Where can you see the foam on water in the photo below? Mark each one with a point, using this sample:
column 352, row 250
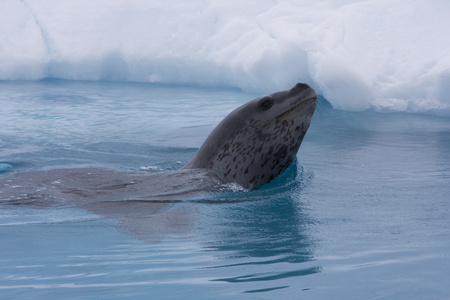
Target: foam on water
column 358, row 54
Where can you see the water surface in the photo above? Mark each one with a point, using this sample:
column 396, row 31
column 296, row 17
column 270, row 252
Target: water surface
column 363, row 213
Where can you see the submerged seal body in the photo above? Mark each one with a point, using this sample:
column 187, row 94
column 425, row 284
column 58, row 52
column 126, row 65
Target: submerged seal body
column 250, row 147
column 259, row 140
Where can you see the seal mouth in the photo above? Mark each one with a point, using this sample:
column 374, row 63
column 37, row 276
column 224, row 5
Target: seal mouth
column 297, row 107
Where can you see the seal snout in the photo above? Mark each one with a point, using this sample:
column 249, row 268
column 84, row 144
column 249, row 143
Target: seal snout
column 301, row 88
column 303, row 93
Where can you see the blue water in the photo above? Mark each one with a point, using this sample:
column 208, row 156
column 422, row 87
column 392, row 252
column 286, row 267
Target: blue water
column 364, row 213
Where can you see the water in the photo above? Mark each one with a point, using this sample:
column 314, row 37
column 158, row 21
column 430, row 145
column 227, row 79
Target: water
column 363, row 213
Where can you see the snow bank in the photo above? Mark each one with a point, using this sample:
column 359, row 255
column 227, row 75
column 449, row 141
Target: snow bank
column 384, row 54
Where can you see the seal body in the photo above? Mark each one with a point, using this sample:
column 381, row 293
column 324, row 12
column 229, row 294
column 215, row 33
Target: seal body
column 259, row 140
column 250, row 147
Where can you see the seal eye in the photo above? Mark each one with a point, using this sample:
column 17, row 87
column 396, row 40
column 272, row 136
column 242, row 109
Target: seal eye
column 266, row 104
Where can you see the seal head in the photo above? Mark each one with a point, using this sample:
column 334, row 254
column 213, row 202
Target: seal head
column 260, row 139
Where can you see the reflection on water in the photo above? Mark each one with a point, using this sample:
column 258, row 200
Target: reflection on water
column 263, row 229
column 266, row 237
column 263, row 236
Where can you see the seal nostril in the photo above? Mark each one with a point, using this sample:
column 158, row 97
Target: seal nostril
column 298, row 88
column 302, row 86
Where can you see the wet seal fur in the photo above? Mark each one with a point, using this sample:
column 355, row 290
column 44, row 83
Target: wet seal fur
column 259, row 140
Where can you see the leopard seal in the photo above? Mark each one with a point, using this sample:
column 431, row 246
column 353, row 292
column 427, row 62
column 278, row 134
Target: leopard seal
column 250, row 147
column 259, row 140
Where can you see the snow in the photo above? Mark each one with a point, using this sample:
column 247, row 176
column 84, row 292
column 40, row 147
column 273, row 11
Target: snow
column 381, row 54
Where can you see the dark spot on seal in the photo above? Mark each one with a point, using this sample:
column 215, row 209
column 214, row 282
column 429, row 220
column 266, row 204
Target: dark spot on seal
column 274, row 164
column 259, row 149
